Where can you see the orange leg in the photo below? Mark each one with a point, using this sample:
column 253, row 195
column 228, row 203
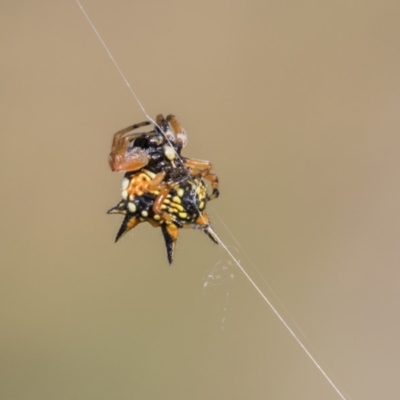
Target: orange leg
column 180, row 133
column 119, row 159
column 163, row 188
column 163, row 124
column 203, row 168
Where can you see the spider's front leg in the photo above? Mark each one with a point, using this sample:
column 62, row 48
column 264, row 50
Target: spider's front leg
column 202, row 168
column 180, row 133
column 120, row 158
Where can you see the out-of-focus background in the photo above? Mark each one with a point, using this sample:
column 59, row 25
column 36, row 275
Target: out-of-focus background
column 297, row 106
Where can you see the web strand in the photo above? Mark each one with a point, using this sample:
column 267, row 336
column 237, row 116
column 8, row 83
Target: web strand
column 222, row 244
column 113, row 60
column 279, row 316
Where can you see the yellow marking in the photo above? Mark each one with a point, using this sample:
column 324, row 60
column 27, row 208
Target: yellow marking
column 178, row 207
column 167, row 201
column 180, row 192
column 182, row 215
column 152, row 175
column 145, row 214
column 157, row 217
column 163, row 207
column 176, row 199
column 201, row 205
column 124, row 194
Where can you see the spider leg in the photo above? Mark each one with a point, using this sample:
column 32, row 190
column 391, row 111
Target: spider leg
column 203, row 168
column 122, row 160
column 213, row 179
column 157, row 181
column 170, row 233
column 163, row 189
column 162, row 123
column 131, row 161
column 180, row 133
column 159, row 206
column 116, row 144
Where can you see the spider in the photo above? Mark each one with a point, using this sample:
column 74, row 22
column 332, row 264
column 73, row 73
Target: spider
column 161, row 186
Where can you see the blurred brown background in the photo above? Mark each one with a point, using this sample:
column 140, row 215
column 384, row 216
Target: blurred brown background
column 297, row 106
